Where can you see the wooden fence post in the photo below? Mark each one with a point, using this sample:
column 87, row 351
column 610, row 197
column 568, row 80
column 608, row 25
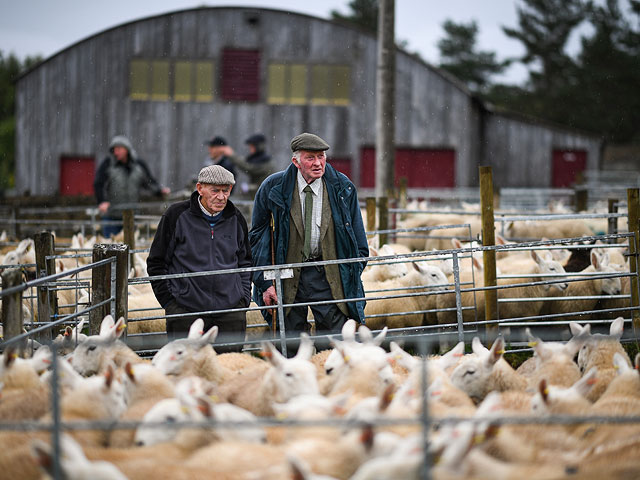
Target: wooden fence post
column 371, row 216
column 581, row 198
column 612, row 222
column 47, row 299
column 101, row 283
column 402, row 193
column 633, row 202
column 489, row 256
column 11, row 304
column 383, row 219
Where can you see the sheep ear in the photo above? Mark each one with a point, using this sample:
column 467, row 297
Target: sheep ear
column 536, row 257
column 106, row 326
column 41, row 452
column 620, row 363
column 586, row 383
column 373, row 252
column 377, row 341
column 595, row 260
column 128, row 369
column 119, row 327
column 272, row 355
column 10, row 354
column 456, row 243
column 109, row 377
column 349, row 330
column 616, row 328
column 305, row 351
column 452, row 356
column 543, row 388
column 497, row 349
column 205, row 408
column 386, row 397
column 365, row 335
column 196, row 330
column 576, row 328
column 477, row 347
column 210, row 335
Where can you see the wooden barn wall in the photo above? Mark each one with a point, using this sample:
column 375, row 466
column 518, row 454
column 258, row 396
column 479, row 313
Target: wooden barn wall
column 520, row 152
column 77, row 100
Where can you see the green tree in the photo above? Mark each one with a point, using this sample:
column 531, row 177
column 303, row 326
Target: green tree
column 364, row 13
column 544, row 29
column 10, row 68
column 458, row 55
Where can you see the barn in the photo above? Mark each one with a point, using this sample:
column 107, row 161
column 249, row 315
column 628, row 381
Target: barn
column 171, row 81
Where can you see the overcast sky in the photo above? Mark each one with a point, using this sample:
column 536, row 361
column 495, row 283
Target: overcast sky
column 30, row 27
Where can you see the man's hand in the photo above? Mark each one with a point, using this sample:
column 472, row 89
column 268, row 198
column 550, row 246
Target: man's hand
column 103, row 207
column 269, row 296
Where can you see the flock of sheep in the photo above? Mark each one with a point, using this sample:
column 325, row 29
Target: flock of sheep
column 356, row 411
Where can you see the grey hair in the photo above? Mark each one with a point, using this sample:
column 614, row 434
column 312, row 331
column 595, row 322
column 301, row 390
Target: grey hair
column 297, row 154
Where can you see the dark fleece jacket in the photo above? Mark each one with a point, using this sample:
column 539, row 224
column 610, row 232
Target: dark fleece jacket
column 185, row 242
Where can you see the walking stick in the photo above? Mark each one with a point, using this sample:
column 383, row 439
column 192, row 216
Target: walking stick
column 273, row 282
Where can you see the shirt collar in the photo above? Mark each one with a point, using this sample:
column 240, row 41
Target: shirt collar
column 316, row 185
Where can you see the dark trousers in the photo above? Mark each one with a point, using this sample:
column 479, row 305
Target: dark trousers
column 313, row 287
column 231, row 326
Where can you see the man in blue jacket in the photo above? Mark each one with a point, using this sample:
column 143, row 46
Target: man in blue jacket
column 204, row 233
column 331, row 229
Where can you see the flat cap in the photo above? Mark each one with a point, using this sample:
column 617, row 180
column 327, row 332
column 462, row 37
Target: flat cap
column 216, row 142
column 216, row 175
column 309, row 142
column 255, row 139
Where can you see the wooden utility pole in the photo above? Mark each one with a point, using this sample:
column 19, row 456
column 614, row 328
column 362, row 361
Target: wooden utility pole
column 385, row 99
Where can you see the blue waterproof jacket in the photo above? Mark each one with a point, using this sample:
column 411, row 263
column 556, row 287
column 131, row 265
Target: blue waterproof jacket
column 274, row 196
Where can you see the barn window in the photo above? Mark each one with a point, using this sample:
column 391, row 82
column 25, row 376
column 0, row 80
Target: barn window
column 183, row 87
column 204, row 81
column 139, row 73
column 160, row 80
column 330, row 84
column 241, row 75
column 287, row 84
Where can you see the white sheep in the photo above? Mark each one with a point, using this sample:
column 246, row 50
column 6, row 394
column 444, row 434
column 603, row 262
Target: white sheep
column 424, row 278
column 74, row 464
column 96, row 352
column 485, row 371
column 257, row 388
column 589, row 288
column 380, row 271
column 598, row 352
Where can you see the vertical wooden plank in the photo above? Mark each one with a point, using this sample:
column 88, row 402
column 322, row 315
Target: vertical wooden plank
column 633, row 203
column 11, row 304
column 371, row 216
column 99, row 288
column 47, row 300
column 383, row 219
column 489, row 256
column 612, row 222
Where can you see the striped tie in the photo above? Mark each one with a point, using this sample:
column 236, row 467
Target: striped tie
column 308, row 215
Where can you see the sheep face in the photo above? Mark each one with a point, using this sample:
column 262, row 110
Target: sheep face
column 170, row 359
column 167, row 412
column 88, row 357
column 432, row 276
column 472, row 373
column 550, row 266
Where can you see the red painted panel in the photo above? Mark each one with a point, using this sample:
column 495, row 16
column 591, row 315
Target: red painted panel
column 240, row 75
column 423, row 167
column 342, row 165
column 76, row 175
column 567, row 164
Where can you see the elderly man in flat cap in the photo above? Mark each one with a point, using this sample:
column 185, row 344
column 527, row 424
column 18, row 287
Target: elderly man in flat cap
column 316, row 216
column 206, row 232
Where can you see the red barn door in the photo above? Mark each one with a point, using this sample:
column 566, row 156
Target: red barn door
column 567, row 164
column 423, row 167
column 76, row 175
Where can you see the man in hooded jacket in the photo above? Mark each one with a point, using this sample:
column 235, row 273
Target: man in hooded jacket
column 119, row 180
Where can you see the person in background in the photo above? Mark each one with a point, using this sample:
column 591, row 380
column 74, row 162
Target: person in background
column 316, row 217
column 119, row 180
column 220, row 154
column 258, row 165
column 205, row 233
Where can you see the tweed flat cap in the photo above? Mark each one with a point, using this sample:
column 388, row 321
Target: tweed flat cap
column 309, row 142
column 216, row 175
